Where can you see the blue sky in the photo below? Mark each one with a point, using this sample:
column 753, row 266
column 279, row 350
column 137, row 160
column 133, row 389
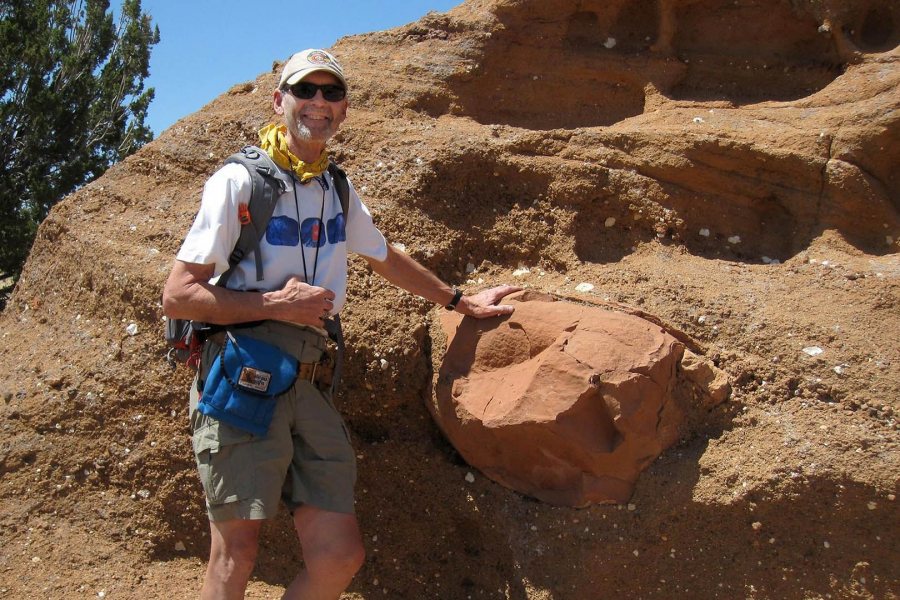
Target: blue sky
column 207, row 46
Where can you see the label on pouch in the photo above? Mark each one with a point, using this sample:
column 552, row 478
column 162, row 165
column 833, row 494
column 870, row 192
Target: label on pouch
column 254, row 380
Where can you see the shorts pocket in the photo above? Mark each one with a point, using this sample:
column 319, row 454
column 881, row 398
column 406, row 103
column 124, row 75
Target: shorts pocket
column 224, row 460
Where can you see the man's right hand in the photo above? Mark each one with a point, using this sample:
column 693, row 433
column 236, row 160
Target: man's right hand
column 189, row 295
column 301, row 303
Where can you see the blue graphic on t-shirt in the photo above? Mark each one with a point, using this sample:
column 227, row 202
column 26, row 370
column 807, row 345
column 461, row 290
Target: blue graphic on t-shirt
column 337, row 233
column 282, row 231
column 311, row 233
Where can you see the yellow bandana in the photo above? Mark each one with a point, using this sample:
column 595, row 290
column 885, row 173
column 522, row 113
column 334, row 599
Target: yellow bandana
column 273, row 140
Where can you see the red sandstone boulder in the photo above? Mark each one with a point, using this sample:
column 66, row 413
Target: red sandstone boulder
column 564, row 402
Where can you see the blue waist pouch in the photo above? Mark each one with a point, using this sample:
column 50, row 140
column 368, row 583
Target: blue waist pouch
column 243, row 381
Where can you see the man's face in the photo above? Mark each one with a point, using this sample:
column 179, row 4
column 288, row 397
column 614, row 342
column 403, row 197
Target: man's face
column 315, row 119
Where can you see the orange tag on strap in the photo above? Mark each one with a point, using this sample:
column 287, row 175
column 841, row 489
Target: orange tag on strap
column 244, row 214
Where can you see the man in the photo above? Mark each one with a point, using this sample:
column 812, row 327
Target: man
column 305, row 458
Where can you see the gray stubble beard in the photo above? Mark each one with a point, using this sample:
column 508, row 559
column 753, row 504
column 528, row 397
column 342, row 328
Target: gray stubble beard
column 304, row 133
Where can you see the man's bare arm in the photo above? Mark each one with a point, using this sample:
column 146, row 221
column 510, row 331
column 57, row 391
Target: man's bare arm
column 403, row 271
column 189, row 295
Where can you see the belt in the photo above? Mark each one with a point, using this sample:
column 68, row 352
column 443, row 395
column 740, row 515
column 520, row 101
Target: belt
column 318, row 373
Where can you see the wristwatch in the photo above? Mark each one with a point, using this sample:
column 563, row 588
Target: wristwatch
column 457, row 294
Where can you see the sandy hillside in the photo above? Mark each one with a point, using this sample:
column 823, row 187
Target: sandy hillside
column 727, row 167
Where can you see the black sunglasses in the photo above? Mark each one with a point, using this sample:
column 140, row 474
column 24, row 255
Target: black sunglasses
column 305, row 90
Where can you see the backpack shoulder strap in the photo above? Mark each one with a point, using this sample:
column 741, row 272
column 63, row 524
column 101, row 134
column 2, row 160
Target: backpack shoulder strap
column 343, row 188
column 268, row 182
column 333, row 325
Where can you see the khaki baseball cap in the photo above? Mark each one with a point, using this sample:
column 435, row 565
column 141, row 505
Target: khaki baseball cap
column 309, row 61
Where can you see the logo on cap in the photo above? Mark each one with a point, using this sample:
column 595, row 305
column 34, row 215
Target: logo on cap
column 318, row 57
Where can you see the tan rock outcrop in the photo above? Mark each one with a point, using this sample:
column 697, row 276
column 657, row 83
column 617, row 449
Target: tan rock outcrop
column 564, row 402
column 712, row 381
column 691, row 158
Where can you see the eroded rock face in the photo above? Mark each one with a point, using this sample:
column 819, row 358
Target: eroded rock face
column 564, row 402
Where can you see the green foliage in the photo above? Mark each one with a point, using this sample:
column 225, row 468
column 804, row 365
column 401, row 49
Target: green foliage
column 72, row 102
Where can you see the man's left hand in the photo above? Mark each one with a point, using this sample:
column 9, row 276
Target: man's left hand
column 483, row 305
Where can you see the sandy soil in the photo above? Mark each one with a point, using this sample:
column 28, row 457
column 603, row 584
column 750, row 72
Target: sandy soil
column 786, row 491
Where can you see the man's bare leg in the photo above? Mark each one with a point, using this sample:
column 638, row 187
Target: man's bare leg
column 232, row 554
column 332, row 553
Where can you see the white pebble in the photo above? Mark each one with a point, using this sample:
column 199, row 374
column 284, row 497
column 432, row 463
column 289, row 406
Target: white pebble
column 813, row 350
column 735, row 239
column 384, row 364
column 826, row 544
column 704, row 232
column 610, row 221
column 584, row 287
column 470, row 478
column 470, row 268
column 632, row 507
column 144, row 494
column 521, row 272
column 756, row 526
column 609, row 43
column 872, row 505
column 698, row 119
column 132, row 329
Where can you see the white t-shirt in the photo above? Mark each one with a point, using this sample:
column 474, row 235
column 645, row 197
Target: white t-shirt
column 298, row 225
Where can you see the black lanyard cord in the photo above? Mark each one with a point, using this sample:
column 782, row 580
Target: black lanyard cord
column 318, row 235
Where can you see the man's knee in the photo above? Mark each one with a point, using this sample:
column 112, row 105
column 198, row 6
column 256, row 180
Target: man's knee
column 332, row 544
column 344, row 556
column 234, row 549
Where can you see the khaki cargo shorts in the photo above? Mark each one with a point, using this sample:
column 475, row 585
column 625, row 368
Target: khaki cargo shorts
column 305, row 458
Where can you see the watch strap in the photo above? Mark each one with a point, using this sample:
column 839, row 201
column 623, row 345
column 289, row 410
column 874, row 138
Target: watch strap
column 457, row 294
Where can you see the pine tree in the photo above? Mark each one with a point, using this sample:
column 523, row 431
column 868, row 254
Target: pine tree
column 72, row 102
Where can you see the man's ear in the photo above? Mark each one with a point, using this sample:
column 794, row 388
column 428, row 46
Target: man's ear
column 277, row 100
